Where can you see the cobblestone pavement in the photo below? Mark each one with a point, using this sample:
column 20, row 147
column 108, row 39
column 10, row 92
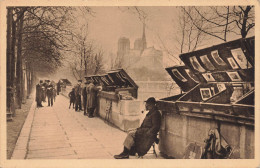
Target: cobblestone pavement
column 61, row 133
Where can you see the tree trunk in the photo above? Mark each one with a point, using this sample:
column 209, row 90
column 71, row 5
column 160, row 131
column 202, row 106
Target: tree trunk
column 19, row 70
column 12, row 75
column 9, row 56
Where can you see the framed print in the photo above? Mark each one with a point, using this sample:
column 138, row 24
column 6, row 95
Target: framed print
column 208, row 77
column 232, row 63
column 221, row 87
column 213, row 90
column 178, row 75
column 205, row 93
column 217, row 58
column 191, row 75
column 207, row 62
column 196, row 65
column 234, row 76
column 240, row 58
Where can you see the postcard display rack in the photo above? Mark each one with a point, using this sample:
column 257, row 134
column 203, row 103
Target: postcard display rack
column 117, row 101
column 217, row 92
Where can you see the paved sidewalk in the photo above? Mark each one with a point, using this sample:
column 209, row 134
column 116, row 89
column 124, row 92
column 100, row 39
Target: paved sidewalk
column 61, row 133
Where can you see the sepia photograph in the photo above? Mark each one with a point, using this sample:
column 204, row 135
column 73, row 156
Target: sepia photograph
column 86, row 85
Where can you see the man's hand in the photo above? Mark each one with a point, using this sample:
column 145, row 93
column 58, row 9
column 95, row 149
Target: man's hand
column 131, row 129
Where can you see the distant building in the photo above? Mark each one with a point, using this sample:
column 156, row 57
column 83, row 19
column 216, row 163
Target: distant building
column 141, row 62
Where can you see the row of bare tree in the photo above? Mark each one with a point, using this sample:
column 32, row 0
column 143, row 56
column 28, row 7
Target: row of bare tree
column 38, row 40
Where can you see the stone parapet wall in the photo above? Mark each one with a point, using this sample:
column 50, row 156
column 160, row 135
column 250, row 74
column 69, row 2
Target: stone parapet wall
column 125, row 114
column 178, row 130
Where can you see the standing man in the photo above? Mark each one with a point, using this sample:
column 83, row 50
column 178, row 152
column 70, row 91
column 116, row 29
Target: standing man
column 78, row 92
column 38, row 97
column 141, row 139
column 92, row 91
column 58, row 88
column 84, row 95
column 49, row 93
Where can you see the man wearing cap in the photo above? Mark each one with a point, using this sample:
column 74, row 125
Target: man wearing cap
column 141, row 139
column 78, row 92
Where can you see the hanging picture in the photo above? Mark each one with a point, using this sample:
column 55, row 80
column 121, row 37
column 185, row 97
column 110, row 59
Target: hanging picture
column 232, row 63
column 178, row 75
column 208, row 77
column 240, row 58
column 196, row 65
column 217, row 58
column 192, row 76
column 212, row 90
column 205, row 93
column 207, row 62
column 221, row 87
column 234, row 76
column 104, row 80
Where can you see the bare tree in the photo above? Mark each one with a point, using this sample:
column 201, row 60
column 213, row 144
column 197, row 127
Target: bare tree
column 219, row 22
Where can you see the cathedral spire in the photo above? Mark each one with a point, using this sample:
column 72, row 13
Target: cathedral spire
column 144, row 45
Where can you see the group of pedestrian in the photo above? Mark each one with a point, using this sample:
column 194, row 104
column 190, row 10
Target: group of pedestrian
column 43, row 90
column 86, row 96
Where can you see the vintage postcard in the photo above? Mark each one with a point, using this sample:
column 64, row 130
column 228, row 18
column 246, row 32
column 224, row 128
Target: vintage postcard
column 92, row 83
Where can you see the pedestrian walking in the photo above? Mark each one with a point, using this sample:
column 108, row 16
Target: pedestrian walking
column 39, row 91
column 92, row 91
column 78, row 92
column 72, row 98
column 49, row 93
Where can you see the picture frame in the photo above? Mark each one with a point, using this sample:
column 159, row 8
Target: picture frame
column 221, row 87
column 234, row 76
column 240, row 58
column 191, row 75
column 207, row 62
column 196, row 65
column 217, row 58
column 178, row 75
column 208, row 77
column 205, row 93
column 232, row 63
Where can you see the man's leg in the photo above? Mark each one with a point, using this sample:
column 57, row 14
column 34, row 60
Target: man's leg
column 49, row 101
column 128, row 144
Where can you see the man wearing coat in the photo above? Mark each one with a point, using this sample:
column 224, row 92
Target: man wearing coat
column 92, row 91
column 84, row 95
column 141, row 139
column 78, row 92
column 39, row 94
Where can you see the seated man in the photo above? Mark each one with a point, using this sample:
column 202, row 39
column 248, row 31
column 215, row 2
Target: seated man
column 141, row 139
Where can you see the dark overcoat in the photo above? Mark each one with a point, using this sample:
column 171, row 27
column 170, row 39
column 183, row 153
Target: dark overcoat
column 38, row 97
column 147, row 133
column 92, row 91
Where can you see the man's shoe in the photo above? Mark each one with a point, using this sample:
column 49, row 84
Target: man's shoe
column 122, row 156
column 90, row 116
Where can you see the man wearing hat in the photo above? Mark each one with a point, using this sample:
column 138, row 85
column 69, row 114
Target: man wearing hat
column 84, row 95
column 39, row 93
column 78, row 92
column 141, row 139
column 49, row 92
column 92, row 91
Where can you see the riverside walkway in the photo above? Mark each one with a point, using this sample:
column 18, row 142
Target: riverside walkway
column 61, row 133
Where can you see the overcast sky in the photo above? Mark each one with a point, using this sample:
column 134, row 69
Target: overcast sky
column 111, row 23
